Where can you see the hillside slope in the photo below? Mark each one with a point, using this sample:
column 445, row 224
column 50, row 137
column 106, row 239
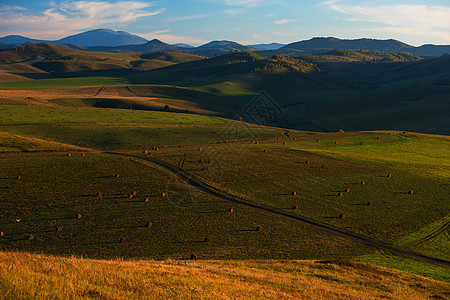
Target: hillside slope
column 37, row 276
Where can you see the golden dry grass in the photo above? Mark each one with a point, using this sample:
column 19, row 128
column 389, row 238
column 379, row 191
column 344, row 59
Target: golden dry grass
column 31, row 276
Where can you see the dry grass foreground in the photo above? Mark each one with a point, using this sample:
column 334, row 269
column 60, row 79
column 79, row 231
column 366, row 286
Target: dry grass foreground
column 32, row 276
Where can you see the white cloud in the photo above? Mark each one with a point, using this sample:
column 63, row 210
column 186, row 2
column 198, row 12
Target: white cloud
column 412, row 20
column 186, row 18
column 283, row 21
column 73, row 17
column 245, row 3
column 233, row 11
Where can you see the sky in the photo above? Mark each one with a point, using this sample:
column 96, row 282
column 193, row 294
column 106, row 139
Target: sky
column 196, row 22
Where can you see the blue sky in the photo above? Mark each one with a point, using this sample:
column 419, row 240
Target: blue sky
column 245, row 21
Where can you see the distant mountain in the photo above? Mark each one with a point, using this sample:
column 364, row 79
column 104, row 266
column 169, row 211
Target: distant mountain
column 17, row 39
column 433, row 50
column 224, row 45
column 151, row 46
column 183, row 45
column 360, row 44
column 102, row 37
column 265, row 47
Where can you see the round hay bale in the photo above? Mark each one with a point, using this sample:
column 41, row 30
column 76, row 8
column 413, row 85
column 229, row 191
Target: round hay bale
column 369, row 203
column 363, row 182
column 30, row 237
column 59, row 229
column 209, row 161
column 294, row 138
column 259, row 228
column 294, row 193
column 200, row 160
column 193, row 257
column 295, row 207
column 99, row 195
column 378, row 137
column 68, row 154
column 134, row 193
column 307, row 162
column 117, row 175
column 340, row 194
column 82, row 154
column 231, row 210
column 256, row 143
column 336, row 142
column 199, row 149
column 207, row 240
column 19, row 177
column 186, row 155
column 79, row 216
column 362, row 143
column 181, row 146
column 146, row 200
column 411, row 192
column 163, row 194
column 130, row 196
column 284, row 143
column 265, row 150
column 2, row 233
column 252, row 141
column 122, row 240
column 317, row 141
column 156, row 149
column 342, row 216
column 278, row 139
column 145, row 152
column 149, row 224
column 389, row 175
column 347, row 190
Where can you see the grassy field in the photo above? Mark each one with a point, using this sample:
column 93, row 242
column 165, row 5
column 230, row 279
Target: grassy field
column 26, row 276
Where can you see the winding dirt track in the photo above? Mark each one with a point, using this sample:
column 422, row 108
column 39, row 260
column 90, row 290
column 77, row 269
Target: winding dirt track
column 233, row 199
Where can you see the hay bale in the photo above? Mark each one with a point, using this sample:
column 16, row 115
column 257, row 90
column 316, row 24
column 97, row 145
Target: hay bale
column 149, row 224
column 30, row 237
column 294, row 138
column 130, row 196
column 207, row 240
column 259, row 228
column 79, row 216
column 294, row 193
column 278, row 139
column 284, row 143
column 199, row 149
column 186, row 155
column 295, row 207
column 265, row 150
column 122, row 240
column 200, row 160
column 362, row 143
column 378, row 137
column 342, row 216
column 59, row 229
column 389, row 175
column 19, row 177
column 411, row 192
column 336, row 142
column 2, row 233
column 146, row 200
column 99, row 195
column 145, row 151
column 256, row 143
column 193, row 257
column 68, row 154
column 231, row 210
column 307, row 162
column 163, row 194
column 134, row 193
column 369, row 203
column 82, row 154
column 156, row 149
column 347, row 190
column 317, row 141
column 363, row 182
column 117, row 175
column 181, row 146
column 340, row 194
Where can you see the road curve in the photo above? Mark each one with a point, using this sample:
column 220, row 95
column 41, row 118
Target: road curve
column 210, row 190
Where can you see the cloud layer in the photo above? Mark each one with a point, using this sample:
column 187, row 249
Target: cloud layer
column 71, row 17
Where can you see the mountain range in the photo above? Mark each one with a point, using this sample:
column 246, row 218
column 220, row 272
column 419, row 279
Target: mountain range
column 119, row 41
